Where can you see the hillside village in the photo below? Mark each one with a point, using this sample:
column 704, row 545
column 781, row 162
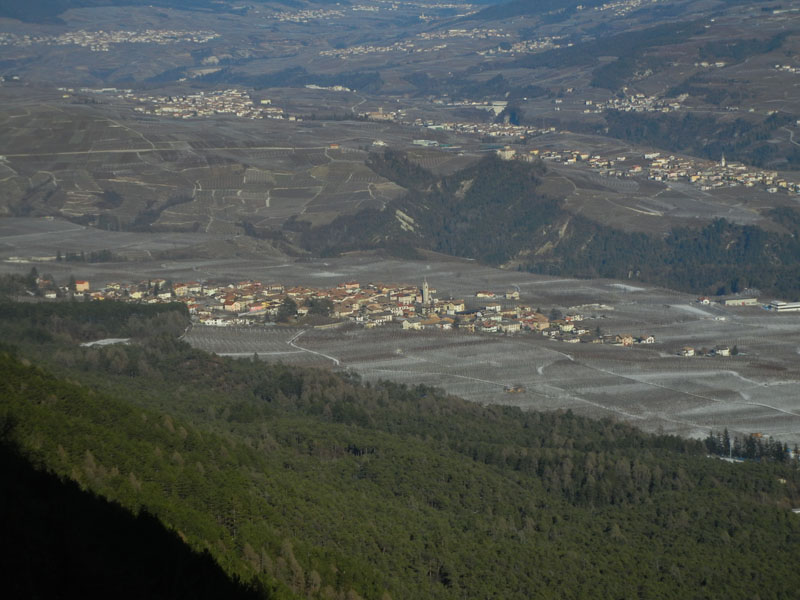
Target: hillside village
column 704, row 174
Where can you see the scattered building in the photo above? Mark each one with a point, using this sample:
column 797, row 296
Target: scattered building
column 740, row 301
column 780, row 306
column 514, row 389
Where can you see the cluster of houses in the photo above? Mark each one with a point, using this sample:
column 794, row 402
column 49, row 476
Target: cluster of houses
column 475, row 34
column 527, row 46
column 788, row 69
column 689, row 351
column 411, row 45
column 47, row 288
column 253, row 302
column 490, row 129
column 702, row 173
column 620, row 8
column 498, row 130
column 636, row 103
column 101, row 41
column 628, row 103
column 736, row 301
column 406, row 307
column 231, row 101
column 403, row 46
column 713, row 175
column 306, row 15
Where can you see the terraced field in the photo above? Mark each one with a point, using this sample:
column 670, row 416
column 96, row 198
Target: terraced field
column 123, row 171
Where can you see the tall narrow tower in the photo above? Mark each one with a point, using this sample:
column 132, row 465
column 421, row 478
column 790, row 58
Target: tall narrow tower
column 426, row 295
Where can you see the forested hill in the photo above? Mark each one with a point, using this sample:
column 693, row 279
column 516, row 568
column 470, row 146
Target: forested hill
column 61, row 541
column 495, row 212
column 321, row 487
